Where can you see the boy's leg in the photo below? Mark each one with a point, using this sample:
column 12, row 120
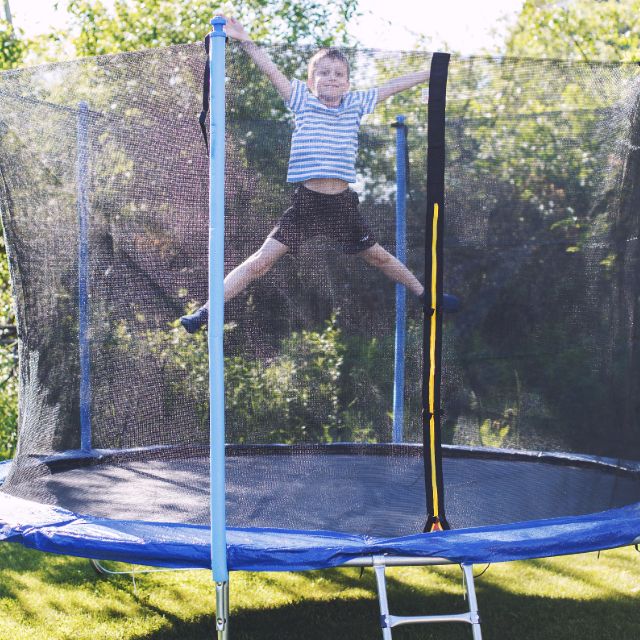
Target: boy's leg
column 255, row 266
column 379, row 257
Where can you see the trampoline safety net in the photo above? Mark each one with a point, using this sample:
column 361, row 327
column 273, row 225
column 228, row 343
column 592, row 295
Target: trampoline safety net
column 540, row 366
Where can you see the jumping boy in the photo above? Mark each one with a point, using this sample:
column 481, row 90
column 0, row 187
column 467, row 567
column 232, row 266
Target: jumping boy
column 322, row 163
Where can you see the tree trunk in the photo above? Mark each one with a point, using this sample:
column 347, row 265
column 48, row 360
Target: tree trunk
column 7, row 13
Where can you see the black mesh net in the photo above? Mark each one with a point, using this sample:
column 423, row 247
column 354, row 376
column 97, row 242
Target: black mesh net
column 542, row 202
column 542, row 226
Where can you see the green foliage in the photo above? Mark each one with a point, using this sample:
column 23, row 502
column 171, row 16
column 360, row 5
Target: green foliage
column 520, row 121
column 138, row 24
column 8, row 416
column 542, row 174
column 12, row 48
column 291, row 397
column 577, row 30
column 8, row 363
column 11, row 54
column 502, row 431
column 8, row 405
column 132, row 25
column 12, row 51
column 318, row 387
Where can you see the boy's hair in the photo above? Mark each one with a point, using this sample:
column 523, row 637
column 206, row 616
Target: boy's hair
column 333, row 54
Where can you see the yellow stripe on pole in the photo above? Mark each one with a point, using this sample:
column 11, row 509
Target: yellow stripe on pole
column 432, row 359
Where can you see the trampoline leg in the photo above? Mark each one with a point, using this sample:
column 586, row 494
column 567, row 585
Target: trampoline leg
column 222, row 610
column 474, row 616
column 378, row 567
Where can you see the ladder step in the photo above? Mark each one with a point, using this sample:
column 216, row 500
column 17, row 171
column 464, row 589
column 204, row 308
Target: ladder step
column 469, row 618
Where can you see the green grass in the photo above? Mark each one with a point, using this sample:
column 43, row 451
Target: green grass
column 48, row 597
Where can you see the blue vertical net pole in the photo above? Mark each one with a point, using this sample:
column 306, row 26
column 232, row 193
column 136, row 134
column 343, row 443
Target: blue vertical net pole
column 82, row 187
column 216, row 322
column 401, row 254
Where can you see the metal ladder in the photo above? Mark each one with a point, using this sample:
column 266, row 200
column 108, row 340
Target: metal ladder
column 388, row 621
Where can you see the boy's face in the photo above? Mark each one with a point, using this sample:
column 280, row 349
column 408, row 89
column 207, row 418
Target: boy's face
column 330, row 80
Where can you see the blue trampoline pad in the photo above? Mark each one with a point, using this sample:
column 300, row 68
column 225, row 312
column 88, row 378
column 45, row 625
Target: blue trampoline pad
column 340, row 503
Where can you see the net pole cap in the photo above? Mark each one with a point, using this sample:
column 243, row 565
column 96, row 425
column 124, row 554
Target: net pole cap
column 218, row 23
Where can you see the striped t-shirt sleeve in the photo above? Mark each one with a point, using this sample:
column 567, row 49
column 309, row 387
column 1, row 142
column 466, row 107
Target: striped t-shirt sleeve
column 366, row 99
column 298, row 100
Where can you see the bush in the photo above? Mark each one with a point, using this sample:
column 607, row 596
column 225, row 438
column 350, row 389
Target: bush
column 290, row 398
column 8, row 363
column 8, row 417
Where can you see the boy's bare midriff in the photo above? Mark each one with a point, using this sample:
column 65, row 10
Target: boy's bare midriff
column 330, row 186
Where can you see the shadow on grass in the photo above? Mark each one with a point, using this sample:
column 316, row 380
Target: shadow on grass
column 504, row 617
column 342, row 606
column 50, row 567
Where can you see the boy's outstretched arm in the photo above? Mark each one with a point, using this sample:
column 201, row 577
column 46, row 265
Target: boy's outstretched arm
column 235, row 30
column 401, row 83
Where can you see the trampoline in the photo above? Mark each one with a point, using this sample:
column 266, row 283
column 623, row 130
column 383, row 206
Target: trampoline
column 383, row 497
column 358, row 428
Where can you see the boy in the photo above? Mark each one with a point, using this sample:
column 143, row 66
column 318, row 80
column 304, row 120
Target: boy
column 322, row 163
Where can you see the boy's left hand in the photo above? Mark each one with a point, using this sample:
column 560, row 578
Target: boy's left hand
column 234, row 29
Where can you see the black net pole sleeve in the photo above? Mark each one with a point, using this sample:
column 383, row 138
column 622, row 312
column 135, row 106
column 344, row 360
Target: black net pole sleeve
column 432, row 334
column 205, row 95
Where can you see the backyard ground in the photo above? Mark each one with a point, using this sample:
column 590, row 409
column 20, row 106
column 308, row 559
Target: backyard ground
column 48, row 597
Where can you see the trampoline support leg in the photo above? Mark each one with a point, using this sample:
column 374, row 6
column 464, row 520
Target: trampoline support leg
column 222, row 610
column 474, row 614
column 378, row 567
column 387, row 621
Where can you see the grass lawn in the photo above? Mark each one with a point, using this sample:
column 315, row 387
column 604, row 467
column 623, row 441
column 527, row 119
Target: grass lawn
column 48, row 597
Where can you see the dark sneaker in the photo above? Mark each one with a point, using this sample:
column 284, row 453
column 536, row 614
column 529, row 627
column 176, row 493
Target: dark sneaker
column 195, row 320
column 450, row 304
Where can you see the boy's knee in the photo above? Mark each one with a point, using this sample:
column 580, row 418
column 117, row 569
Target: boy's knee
column 264, row 268
column 378, row 258
column 261, row 263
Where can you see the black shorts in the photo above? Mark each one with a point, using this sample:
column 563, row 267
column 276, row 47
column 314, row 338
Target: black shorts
column 320, row 214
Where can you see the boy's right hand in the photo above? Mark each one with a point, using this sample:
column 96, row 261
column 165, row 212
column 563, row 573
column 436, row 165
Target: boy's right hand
column 235, row 30
column 260, row 57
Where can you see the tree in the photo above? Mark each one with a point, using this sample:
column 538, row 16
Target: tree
column 584, row 30
column 137, row 24
column 12, row 47
column 561, row 212
column 12, row 50
column 577, row 30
